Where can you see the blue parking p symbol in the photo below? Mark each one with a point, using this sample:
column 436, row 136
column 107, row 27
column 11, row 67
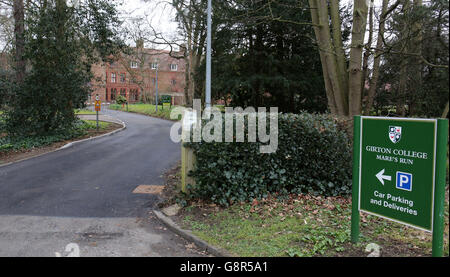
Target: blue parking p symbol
column 404, row 181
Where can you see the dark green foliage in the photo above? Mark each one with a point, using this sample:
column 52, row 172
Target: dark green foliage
column 3, row 90
column 121, row 99
column 258, row 60
column 427, row 91
column 313, row 156
column 5, row 87
column 61, row 44
column 9, row 143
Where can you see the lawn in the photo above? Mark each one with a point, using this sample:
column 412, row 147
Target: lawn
column 303, row 226
column 84, row 111
column 297, row 226
column 149, row 109
column 92, row 124
column 146, row 109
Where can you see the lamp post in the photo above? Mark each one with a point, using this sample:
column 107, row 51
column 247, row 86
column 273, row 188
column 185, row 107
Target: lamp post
column 208, row 57
column 156, row 84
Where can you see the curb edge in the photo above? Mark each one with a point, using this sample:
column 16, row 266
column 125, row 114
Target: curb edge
column 186, row 234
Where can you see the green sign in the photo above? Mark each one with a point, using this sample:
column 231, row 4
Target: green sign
column 166, row 100
column 399, row 172
column 397, row 169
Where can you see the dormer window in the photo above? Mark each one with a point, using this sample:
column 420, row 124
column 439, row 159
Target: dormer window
column 134, row 65
column 154, row 66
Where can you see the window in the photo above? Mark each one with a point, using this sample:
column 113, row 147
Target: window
column 113, row 77
column 154, row 65
column 123, row 92
column 113, row 94
column 173, row 82
column 134, row 65
column 173, row 67
column 122, row 78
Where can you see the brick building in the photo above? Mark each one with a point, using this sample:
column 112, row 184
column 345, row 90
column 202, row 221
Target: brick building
column 134, row 77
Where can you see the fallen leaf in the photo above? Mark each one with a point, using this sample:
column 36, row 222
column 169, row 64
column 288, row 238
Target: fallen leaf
column 255, row 202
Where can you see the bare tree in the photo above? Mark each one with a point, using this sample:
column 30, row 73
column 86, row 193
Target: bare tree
column 377, row 59
column 6, row 25
column 188, row 45
column 191, row 17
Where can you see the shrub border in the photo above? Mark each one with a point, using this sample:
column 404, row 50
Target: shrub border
column 70, row 144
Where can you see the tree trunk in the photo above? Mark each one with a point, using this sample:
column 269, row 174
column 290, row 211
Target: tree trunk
column 403, row 78
column 367, row 54
column 416, row 48
column 328, row 87
column 339, row 47
column 343, row 85
column 335, row 92
column 360, row 10
column 377, row 59
column 19, row 28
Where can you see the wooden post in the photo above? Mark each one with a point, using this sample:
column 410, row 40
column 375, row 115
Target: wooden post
column 187, row 154
column 187, row 164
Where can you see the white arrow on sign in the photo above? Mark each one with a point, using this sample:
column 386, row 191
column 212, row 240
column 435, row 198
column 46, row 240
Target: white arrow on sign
column 381, row 177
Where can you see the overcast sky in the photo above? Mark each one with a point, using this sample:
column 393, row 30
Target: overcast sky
column 161, row 15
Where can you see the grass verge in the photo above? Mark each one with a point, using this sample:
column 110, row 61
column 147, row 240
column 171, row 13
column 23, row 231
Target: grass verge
column 84, row 111
column 145, row 109
column 299, row 226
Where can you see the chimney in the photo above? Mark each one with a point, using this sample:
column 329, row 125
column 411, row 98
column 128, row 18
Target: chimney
column 140, row 43
column 183, row 49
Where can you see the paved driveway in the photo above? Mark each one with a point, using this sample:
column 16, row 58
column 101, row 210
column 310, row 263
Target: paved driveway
column 84, row 195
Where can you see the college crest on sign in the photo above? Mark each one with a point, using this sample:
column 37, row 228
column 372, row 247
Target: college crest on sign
column 395, row 133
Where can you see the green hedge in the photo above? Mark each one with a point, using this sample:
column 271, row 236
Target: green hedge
column 121, row 99
column 314, row 156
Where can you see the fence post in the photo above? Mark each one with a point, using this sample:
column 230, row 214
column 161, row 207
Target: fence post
column 355, row 181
